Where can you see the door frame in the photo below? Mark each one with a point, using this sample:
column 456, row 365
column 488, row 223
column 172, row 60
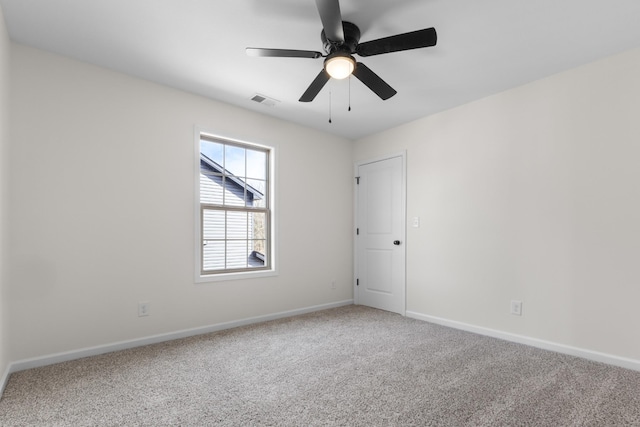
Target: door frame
column 403, row 191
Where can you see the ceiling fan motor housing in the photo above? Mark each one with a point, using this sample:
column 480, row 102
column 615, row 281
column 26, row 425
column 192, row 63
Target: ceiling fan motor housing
column 351, row 39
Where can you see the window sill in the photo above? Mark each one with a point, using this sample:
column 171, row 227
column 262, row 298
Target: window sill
column 223, row 277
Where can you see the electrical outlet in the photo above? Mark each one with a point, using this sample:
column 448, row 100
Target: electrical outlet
column 333, row 284
column 416, row 222
column 516, row 308
column 143, row 308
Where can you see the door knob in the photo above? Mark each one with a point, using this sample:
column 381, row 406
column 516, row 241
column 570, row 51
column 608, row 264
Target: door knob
column 396, row 242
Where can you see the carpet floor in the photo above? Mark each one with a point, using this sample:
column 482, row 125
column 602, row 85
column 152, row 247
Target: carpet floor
column 349, row 366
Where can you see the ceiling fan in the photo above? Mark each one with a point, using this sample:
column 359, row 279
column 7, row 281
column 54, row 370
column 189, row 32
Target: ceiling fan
column 341, row 40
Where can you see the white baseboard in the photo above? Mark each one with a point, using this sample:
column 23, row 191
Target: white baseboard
column 533, row 342
column 124, row 345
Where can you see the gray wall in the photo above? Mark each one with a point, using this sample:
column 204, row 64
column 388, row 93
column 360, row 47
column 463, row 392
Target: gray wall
column 103, row 210
column 530, row 195
column 4, row 142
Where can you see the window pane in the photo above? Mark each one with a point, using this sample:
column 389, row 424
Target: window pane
column 213, row 255
column 213, row 224
column 237, row 254
column 256, row 193
column 210, row 188
column 256, row 164
column 237, row 227
column 258, row 253
column 233, row 192
column 213, row 150
column 258, row 222
column 234, row 160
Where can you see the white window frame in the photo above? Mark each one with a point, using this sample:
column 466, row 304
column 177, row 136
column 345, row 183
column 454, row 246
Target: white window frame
column 249, row 274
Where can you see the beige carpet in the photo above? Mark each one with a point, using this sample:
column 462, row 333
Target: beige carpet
column 351, row 366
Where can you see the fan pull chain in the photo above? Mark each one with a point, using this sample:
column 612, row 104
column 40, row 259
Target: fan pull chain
column 329, row 106
column 349, row 93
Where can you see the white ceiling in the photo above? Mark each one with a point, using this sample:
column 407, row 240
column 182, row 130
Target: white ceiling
column 484, row 47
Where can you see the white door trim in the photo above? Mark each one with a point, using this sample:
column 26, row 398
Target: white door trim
column 357, row 164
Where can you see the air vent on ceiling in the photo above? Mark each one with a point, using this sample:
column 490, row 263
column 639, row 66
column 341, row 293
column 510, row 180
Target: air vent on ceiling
column 264, row 100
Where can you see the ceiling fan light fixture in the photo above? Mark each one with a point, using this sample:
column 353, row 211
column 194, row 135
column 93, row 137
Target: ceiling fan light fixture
column 339, row 66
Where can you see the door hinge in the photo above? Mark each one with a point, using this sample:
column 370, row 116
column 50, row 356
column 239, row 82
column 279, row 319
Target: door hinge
column 357, row 180
column 357, row 282
column 357, row 231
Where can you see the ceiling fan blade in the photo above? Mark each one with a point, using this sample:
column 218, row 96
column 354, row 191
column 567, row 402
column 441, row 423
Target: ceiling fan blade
column 373, row 81
column 282, row 53
column 412, row 40
column 314, row 88
column 331, row 19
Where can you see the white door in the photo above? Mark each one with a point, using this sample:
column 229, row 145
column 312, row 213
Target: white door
column 380, row 245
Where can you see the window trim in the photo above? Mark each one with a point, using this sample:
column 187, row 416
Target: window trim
column 271, row 270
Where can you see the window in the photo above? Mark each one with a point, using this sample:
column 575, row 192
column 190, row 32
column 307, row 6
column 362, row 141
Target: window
column 235, row 210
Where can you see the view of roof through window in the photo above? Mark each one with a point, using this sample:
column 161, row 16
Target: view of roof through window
column 234, row 206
